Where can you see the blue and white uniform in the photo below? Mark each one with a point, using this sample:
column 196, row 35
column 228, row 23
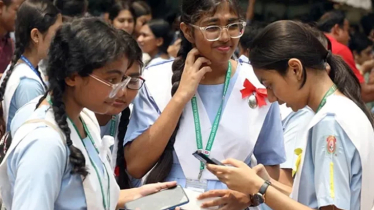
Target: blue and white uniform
column 337, row 157
column 31, row 179
column 23, row 85
column 242, row 131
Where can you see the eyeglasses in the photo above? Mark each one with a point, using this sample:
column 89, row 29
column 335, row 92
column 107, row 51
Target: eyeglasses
column 213, row 33
column 132, row 83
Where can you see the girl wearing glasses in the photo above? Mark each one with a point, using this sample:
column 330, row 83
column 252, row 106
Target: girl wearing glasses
column 113, row 124
column 57, row 159
column 334, row 170
column 209, row 110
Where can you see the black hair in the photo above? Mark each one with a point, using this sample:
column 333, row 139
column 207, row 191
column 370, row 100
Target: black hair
column 119, row 6
column 141, row 8
column 319, row 35
column 72, row 8
column 79, row 47
column 283, row 40
column 330, row 19
column 359, row 42
column 192, row 11
column 367, row 23
column 7, row 2
column 123, row 179
column 39, row 14
column 250, row 33
column 162, row 29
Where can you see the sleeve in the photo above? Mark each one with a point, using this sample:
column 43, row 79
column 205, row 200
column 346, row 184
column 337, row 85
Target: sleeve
column 145, row 112
column 294, row 128
column 334, row 152
column 27, row 90
column 37, row 176
column 269, row 148
column 348, row 58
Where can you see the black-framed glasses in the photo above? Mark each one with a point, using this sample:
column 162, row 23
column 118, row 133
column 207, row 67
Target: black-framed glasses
column 213, row 33
column 132, row 83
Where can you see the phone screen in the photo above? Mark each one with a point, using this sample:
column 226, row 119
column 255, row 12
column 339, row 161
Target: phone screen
column 165, row 199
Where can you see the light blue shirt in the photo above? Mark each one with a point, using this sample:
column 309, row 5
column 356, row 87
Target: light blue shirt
column 294, row 126
column 43, row 180
column 27, row 90
column 269, row 149
column 347, row 171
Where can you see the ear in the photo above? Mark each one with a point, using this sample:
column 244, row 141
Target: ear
column 295, row 69
column 159, row 42
column 187, row 32
column 72, row 80
column 336, row 29
column 34, row 34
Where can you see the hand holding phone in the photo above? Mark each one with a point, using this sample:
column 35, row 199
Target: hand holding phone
column 205, row 159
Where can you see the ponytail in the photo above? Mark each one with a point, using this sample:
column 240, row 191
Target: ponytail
column 346, row 81
column 165, row 162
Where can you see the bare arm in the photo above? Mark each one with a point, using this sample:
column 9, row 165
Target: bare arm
column 285, row 177
column 273, row 171
column 146, row 149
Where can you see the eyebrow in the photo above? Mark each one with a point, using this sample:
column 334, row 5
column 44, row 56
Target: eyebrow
column 114, row 71
column 137, row 74
column 211, row 20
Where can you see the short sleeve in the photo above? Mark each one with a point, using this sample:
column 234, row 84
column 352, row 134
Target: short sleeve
column 334, row 152
column 37, row 176
column 294, row 127
column 269, row 148
column 27, row 90
column 145, row 112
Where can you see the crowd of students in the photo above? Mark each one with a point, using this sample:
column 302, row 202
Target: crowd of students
column 100, row 111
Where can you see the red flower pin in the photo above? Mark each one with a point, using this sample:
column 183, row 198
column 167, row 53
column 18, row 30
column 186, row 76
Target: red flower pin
column 260, row 93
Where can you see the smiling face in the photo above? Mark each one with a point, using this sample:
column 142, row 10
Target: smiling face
column 219, row 51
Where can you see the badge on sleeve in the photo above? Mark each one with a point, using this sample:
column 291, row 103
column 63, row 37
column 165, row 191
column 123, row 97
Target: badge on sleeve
column 331, row 145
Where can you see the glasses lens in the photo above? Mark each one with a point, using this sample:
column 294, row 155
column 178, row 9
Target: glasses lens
column 236, row 30
column 212, row 32
column 135, row 84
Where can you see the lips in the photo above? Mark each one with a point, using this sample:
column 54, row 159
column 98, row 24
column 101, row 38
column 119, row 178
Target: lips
column 118, row 103
column 223, row 48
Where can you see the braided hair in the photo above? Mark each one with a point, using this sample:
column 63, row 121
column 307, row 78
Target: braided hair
column 76, row 50
column 32, row 14
column 192, row 11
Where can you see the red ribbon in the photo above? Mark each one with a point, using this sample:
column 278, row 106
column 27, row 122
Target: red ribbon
column 249, row 89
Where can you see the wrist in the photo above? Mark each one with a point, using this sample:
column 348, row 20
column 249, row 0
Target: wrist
column 181, row 98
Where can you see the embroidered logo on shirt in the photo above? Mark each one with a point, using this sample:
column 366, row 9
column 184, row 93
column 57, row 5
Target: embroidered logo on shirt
column 331, row 144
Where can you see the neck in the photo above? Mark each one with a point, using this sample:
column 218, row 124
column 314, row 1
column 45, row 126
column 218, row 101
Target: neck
column 103, row 119
column 3, row 32
column 217, row 75
column 318, row 90
column 72, row 108
column 162, row 55
column 31, row 55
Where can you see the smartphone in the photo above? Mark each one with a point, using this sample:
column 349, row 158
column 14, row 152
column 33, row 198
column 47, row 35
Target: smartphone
column 165, row 199
column 205, row 159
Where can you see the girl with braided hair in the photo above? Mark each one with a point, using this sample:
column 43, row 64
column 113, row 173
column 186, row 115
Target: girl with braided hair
column 209, row 110
column 36, row 24
column 57, row 159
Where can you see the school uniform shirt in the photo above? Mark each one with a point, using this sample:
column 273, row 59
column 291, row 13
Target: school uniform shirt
column 44, row 181
column 294, row 126
column 336, row 162
column 269, row 148
column 244, row 59
column 27, row 89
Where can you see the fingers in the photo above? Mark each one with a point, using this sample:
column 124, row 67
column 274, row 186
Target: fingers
column 233, row 162
column 165, row 185
column 212, row 194
column 216, row 202
column 191, row 56
column 199, row 62
column 203, row 71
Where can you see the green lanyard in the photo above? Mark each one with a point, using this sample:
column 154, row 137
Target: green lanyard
column 328, row 93
column 105, row 203
column 199, row 139
column 113, row 123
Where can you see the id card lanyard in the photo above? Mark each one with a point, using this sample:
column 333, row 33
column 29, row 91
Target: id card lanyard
column 27, row 61
column 199, row 139
column 113, row 123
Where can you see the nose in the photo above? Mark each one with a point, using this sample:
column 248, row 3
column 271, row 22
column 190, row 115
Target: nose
column 271, row 96
column 140, row 38
column 225, row 36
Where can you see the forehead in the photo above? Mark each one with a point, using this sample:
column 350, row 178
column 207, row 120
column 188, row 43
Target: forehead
column 125, row 13
column 222, row 14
